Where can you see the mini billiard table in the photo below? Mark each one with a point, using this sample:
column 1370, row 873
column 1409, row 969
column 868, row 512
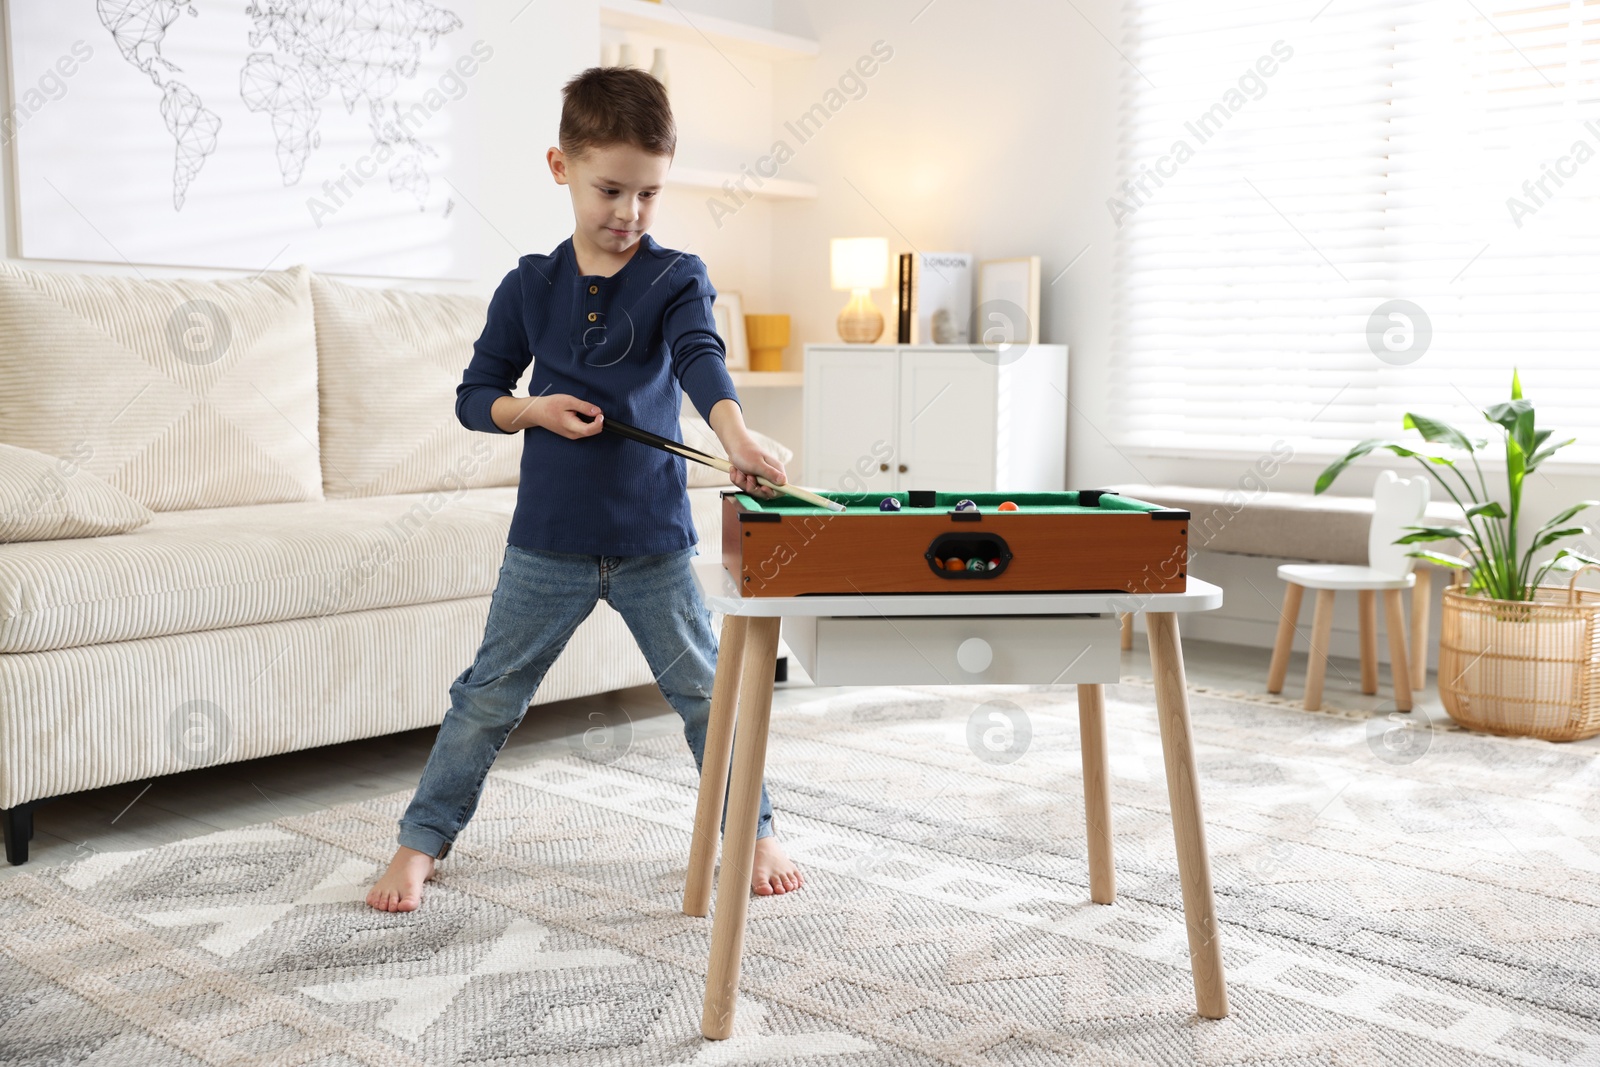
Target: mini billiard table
column 1043, row 542
column 995, row 637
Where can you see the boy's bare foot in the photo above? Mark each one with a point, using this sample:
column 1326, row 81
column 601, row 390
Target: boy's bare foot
column 400, row 888
column 774, row 871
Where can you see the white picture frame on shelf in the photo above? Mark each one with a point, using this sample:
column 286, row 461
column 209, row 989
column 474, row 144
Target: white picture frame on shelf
column 727, row 311
column 1013, row 281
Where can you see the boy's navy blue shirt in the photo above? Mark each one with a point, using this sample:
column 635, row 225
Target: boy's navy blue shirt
column 631, row 344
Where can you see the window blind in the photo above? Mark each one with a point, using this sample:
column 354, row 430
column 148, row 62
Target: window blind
column 1287, row 175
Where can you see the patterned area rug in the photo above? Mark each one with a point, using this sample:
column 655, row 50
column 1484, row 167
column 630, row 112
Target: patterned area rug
column 1389, row 896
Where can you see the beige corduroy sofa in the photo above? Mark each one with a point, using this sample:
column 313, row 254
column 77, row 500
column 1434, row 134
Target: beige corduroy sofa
column 241, row 518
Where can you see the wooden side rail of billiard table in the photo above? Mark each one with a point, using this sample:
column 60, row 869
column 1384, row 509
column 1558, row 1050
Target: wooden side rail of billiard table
column 783, row 552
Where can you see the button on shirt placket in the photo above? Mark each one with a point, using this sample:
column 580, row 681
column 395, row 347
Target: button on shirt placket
column 593, row 327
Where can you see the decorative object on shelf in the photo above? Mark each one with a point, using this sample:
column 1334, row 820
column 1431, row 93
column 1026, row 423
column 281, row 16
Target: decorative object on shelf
column 607, row 56
column 931, row 282
column 1008, row 301
column 727, row 310
column 658, row 68
column 625, row 55
column 768, row 335
column 1515, row 657
column 859, row 265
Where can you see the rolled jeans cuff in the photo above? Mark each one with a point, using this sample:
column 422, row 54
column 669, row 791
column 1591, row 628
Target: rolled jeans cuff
column 430, row 842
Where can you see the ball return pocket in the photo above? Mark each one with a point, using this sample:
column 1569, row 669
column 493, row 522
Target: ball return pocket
column 990, row 548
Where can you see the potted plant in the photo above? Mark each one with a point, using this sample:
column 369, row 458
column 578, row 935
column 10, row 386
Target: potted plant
column 1516, row 656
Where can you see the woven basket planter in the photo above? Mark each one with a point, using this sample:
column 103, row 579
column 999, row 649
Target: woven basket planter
column 1526, row 668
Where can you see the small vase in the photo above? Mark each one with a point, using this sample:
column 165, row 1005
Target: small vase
column 625, row 55
column 658, row 67
column 768, row 336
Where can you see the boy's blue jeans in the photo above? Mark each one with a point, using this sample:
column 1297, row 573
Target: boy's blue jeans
column 539, row 600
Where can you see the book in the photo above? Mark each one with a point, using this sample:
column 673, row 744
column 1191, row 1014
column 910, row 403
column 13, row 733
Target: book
column 907, row 285
column 934, row 285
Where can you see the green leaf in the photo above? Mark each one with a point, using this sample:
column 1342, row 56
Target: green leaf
column 1516, row 385
column 1433, row 533
column 1491, row 509
column 1569, row 560
column 1435, row 430
column 1557, row 520
column 1545, row 453
column 1516, row 470
column 1507, row 412
column 1556, row 535
column 1337, row 467
column 1440, row 558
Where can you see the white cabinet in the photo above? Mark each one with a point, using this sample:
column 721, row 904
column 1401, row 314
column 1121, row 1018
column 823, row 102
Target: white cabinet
column 956, row 418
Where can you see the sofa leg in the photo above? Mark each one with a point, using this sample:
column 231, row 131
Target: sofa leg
column 780, row 672
column 18, row 824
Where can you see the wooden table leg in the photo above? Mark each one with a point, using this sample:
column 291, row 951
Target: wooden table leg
column 1399, row 668
column 1321, row 633
column 1188, row 827
column 1286, row 623
column 1127, row 630
column 739, row 841
column 714, row 766
column 1369, row 640
column 1097, row 793
column 1421, row 601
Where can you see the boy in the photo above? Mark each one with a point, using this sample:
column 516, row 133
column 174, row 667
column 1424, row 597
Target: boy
column 613, row 323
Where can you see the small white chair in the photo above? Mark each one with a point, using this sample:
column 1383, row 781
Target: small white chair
column 1397, row 503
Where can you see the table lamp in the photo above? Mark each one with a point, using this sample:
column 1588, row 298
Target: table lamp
column 860, row 264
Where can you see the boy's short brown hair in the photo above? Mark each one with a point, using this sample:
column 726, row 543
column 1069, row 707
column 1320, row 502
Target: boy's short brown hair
column 605, row 106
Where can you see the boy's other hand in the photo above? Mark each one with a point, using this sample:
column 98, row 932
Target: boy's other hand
column 749, row 459
column 559, row 413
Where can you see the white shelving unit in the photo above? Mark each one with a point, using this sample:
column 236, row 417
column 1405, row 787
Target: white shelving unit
column 671, row 22
column 772, row 398
column 767, row 379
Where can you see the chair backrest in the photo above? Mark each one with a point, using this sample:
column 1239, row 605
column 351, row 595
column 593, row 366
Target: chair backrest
column 1396, row 503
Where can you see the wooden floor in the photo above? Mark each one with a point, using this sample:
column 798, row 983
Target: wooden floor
column 146, row 813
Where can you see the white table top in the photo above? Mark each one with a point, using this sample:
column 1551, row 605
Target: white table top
column 722, row 595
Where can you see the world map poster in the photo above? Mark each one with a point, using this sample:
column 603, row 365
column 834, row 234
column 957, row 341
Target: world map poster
column 251, row 135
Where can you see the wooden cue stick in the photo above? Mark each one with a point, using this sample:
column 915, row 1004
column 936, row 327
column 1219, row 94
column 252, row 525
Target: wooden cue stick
column 666, row 444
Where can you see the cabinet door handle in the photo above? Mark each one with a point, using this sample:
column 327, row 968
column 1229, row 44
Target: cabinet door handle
column 902, row 468
column 883, row 466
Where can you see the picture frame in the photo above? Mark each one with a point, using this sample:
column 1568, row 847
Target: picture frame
column 727, row 311
column 1015, row 281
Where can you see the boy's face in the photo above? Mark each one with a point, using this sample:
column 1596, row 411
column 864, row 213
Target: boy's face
column 614, row 192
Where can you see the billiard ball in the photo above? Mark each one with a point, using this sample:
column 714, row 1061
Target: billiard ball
column 1008, row 506
column 888, row 503
column 976, row 564
column 966, row 505
column 953, row 564
column 994, row 564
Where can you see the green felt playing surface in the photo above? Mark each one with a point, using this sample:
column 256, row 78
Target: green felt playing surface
column 988, row 503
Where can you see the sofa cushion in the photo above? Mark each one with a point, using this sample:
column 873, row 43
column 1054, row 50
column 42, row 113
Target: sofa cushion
column 1322, row 529
column 215, row 567
column 43, row 498
column 185, row 393
column 389, row 362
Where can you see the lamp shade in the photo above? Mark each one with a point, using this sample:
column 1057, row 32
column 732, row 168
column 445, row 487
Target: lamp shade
column 860, row 262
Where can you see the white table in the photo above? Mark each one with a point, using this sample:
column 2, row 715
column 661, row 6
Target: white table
column 939, row 638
